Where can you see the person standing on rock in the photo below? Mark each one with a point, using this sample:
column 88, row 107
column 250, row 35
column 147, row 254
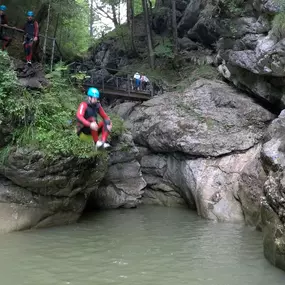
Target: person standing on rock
column 4, row 21
column 31, row 30
column 88, row 127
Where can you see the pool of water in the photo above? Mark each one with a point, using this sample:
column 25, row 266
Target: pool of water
column 149, row 245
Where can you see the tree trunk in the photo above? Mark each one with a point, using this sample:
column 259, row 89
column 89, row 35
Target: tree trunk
column 91, row 18
column 130, row 21
column 174, row 28
column 129, row 3
column 56, row 25
column 148, row 32
column 115, row 20
column 46, row 32
column 119, row 13
column 159, row 3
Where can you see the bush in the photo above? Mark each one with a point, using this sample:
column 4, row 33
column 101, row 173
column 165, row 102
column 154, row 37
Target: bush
column 278, row 25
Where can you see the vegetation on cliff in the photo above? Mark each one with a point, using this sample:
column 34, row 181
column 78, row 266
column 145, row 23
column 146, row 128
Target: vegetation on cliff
column 44, row 120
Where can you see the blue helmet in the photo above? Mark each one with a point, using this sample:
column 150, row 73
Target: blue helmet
column 93, row 92
column 30, row 14
column 3, row 8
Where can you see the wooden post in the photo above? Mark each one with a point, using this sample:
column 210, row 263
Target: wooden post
column 128, row 84
column 92, row 78
column 52, row 55
column 151, row 90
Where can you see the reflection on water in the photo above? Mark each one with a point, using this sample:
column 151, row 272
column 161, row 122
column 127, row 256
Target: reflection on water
column 149, row 245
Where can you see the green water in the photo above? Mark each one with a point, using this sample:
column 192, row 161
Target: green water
column 149, row 245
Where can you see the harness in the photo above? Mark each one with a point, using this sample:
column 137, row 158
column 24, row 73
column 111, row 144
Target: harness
column 30, row 31
column 2, row 20
column 91, row 112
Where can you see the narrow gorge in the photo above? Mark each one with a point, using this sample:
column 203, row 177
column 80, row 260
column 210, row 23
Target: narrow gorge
column 213, row 143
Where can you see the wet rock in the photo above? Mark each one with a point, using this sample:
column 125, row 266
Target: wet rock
column 208, row 119
column 191, row 16
column 23, row 209
column 38, row 192
column 123, row 183
column 187, row 44
column 273, row 204
column 31, row 76
column 203, row 155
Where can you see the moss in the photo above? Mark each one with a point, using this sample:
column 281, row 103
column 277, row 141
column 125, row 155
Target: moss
column 196, row 72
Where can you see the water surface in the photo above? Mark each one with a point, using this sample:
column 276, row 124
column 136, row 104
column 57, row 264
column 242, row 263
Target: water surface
column 148, row 245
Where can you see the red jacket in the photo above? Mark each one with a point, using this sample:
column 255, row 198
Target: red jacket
column 87, row 113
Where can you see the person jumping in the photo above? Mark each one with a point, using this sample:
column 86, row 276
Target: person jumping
column 88, row 127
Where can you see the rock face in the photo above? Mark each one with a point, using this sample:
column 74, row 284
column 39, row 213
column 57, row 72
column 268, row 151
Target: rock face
column 209, row 119
column 249, row 53
column 35, row 192
column 123, row 183
column 32, row 77
column 273, row 204
column 203, row 149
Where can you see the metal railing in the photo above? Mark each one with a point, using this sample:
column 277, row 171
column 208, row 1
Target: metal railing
column 98, row 78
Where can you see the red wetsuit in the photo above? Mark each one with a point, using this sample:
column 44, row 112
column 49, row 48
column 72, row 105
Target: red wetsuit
column 31, row 29
column 86, row 114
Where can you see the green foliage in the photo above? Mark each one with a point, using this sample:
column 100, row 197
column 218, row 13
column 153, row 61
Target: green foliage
column 45, row 120
column 196, row 72
column 278, row 23
column 234, row 7
column 138, row 9
column 117, row 125
column 224, row 8
column 73, row 33
column 164, row 49
column 12, row 108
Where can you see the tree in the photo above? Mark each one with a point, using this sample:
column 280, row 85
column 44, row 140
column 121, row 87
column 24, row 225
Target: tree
column 91, row 17
column 174, row 28
column 46, row 31
column 130, row 21
column 148, row 32
column 108, row 9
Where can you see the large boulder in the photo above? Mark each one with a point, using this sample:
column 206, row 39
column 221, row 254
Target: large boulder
column 123, row 183
column 207, row 141
column 266, row 59
column 32, row 77
column 191, row 16
column 273, row 204
column 36, row 191
column 222, row 189
column 23, row 209
column 209, row 119
column 252, row 57
column 159, row 190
